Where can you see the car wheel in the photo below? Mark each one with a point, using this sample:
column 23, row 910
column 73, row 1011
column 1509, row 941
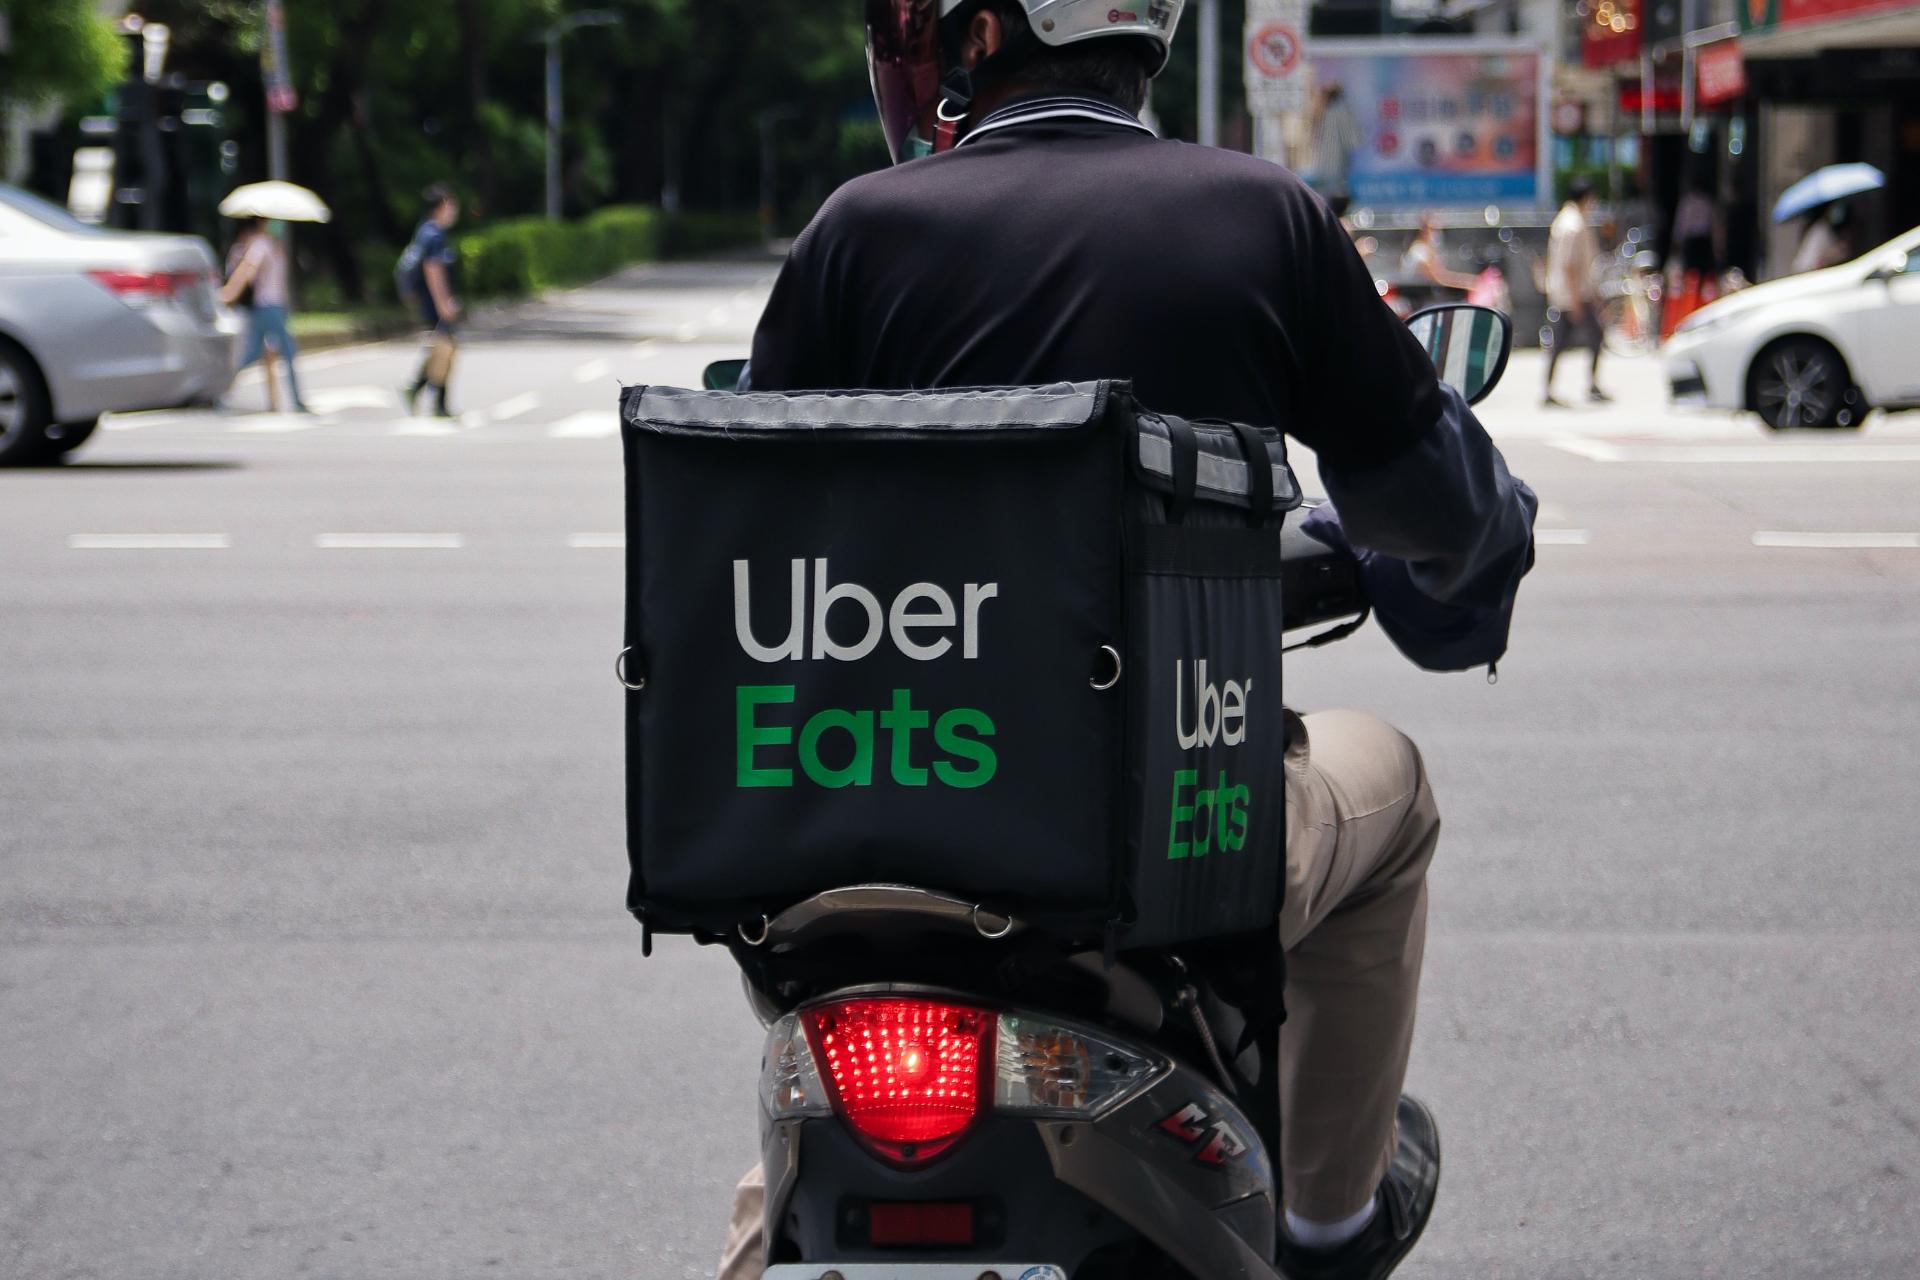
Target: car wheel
column 23, row 407
column 62, row 438
column 1803, row 382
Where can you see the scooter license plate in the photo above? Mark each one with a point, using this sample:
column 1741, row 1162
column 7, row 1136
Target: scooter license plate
column 916, row 1271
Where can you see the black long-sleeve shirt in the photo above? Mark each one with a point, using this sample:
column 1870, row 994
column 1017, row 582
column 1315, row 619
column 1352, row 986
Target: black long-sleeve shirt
column 1062, row 241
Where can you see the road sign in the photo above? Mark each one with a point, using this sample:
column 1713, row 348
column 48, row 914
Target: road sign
column 281, row 97
column 1276, row 65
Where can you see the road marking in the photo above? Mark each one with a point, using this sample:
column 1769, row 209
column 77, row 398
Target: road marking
column 429, row 426
column 719, row 315
column 276, row 424
column 592, row 370
column 592, row 425
column 597, row 541
column 389, row 541
column 1837, row 541
column 514, row 406
column 149, row 541
column 687, row 332
column 1562, row 537
column 337, row 399
column 1799, row 454
column 647, row 350
column 138, row 421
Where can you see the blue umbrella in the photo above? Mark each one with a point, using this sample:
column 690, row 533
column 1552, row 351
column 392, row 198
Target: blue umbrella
column 1824, row 186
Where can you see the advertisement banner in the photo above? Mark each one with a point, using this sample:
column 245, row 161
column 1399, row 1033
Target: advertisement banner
column 1456, row 127
column 1276, row 61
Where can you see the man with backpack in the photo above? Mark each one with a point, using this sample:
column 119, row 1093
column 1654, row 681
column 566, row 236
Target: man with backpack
column 424, row 277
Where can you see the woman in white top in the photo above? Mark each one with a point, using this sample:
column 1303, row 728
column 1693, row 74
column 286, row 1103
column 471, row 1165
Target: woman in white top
column 257, row 271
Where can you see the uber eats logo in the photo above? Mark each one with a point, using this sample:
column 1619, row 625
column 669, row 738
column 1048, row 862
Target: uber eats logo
column 848, row 746
column 1212, row 813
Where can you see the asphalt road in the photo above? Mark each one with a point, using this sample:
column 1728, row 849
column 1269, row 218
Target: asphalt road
column 312, row 952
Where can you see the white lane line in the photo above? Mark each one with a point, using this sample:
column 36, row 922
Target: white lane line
column 389, row 541
column 687, row 332
column 592, row 370
column 1714, row 455
column 594, row 424
column 514, row 406
column 138, row 421
column 1837, row 541
column 277, row 424
column 647, row 350
column 148, row 541
column 719, row 315
column 743, row 298
column 1562, row 537
column 597, row 541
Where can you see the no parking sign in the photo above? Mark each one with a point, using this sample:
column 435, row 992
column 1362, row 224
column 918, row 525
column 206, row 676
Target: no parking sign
column 1276, row 75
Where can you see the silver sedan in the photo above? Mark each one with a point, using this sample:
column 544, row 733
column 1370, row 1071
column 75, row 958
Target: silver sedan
column 95, row 321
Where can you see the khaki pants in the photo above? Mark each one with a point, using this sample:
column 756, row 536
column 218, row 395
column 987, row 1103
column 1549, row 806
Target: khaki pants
column 1361, row 829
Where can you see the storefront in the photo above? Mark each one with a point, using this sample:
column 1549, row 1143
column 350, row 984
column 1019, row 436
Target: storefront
column 1829, row 81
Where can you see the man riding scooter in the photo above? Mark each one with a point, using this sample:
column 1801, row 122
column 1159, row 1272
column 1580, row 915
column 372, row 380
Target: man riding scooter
column 1042, row 234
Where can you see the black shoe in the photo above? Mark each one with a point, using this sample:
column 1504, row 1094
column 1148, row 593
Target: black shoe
column 1551, row 401
column 410, row 397
column 1598, row 396
column 440, row 409
column 1401, row 1209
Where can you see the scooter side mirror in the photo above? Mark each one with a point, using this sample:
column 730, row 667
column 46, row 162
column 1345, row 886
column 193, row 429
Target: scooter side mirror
column 1468, row 345
column 723, row 375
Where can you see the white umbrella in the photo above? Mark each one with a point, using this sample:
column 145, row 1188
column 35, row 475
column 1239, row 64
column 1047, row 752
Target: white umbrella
column 281, row 201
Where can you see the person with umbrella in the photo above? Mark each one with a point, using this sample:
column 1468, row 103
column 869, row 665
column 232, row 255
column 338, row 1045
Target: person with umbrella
column 1823, row 198
column 259, row 269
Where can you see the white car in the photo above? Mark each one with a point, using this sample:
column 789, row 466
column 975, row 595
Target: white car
column 1813, row 350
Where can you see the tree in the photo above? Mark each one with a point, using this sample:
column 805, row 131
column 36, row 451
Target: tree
column 59, row 49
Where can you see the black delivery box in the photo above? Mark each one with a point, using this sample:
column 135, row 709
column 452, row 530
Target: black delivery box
column 1019, row 645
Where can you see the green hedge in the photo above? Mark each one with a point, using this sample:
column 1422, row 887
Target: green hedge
column 526, row 255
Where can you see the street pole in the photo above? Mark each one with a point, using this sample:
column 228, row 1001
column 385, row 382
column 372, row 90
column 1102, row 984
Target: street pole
column 554, row 34
column 553, row 123
column 1209, row 130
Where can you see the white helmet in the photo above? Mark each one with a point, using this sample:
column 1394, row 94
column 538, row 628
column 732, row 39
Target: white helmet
column 904, row 45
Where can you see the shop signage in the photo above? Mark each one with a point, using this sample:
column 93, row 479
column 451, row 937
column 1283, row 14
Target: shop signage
column 1611, row 34
column 1763, row 15
column 1720, row 74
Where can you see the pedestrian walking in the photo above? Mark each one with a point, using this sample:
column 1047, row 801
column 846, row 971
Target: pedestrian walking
column 1573, row 301
column 257, row 280
column 1336, row 135
column 425, row 279
column 1424, row 258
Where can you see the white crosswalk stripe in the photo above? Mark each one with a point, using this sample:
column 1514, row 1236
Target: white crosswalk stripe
column 594, row 424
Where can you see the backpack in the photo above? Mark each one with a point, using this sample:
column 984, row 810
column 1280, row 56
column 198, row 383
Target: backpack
column 407, row 273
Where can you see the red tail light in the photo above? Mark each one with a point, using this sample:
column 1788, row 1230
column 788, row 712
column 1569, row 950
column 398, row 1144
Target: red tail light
column 144, row 286
column 908, row 1075
column 920, row 1224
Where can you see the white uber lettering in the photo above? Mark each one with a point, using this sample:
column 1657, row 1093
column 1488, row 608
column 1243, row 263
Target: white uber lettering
column 790, row 648
column 901, row 624
column 824, row 598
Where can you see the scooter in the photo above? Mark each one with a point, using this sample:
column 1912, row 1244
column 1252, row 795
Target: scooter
column 950, row 1094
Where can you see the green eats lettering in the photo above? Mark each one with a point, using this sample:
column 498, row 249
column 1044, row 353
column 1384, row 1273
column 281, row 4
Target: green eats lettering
column 779, row 745
column 1211, row 818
